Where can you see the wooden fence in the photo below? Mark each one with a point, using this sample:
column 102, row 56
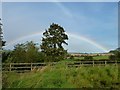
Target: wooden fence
column 93, row 63
column 22, row 67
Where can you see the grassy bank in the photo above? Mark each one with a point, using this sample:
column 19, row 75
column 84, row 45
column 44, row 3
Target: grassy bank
column 62, row 77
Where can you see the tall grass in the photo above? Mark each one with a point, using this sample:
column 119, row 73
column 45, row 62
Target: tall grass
column 61, row 76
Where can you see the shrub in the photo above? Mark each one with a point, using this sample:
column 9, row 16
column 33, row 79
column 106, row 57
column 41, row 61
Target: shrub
column 88, row 58
column 112, row 57
column 71, row 57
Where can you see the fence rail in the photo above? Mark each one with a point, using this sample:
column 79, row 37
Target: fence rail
column 93, row 63
column 21, row 67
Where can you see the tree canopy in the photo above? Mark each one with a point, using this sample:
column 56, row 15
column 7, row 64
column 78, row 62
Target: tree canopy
column 27, row 52
column 52, row 42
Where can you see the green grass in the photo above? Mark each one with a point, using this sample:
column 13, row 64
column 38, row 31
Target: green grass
column 62, row 77
column 94, row 58
column 100, row 57
column 79, row 58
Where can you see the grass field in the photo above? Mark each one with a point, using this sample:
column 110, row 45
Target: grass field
column 94, row 57
column 62, row 77
column 100, row 57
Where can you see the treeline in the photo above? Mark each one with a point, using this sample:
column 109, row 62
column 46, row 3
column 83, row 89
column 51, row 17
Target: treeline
column 51, row 48
column 116, row 53
column 27, row 52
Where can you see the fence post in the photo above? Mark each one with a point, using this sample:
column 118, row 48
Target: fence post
column 115, row 62
column 93, row 63
column 31, row 66
column 10, row 67
column 80, row 63
column 105, row 62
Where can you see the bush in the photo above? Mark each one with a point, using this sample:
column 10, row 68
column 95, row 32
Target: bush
column 112, row 57
column 88, row 58
column 71, row 57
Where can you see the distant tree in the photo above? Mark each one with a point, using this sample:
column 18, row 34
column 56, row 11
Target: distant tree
column 118, row 49
column 52, row 42
column 116, row 53
column 113, row 51
column 112, row 57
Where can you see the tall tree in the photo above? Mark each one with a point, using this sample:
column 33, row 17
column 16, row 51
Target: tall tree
column 52, row 42
column 2, row 43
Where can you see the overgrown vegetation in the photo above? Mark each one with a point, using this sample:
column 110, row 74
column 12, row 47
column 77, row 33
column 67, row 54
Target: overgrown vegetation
column 60, row 76
column 88, row 58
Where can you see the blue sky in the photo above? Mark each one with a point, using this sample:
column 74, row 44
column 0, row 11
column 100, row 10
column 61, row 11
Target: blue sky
column 94, row 24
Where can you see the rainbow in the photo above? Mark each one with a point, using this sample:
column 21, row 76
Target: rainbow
column 90, row 41
column 67, row 12
column 79, row 37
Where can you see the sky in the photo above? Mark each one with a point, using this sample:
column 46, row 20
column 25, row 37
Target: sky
column 0, row 9
column 91, row 26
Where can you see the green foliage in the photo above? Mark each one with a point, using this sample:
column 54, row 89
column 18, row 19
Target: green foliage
column 52, row 42
column 116, row 53
column 26, row 52
column 32, row 54
column 71, row 57
column 5, row 55
column 88, row 58
column 19, row 53
column 112, row 57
